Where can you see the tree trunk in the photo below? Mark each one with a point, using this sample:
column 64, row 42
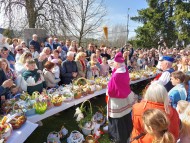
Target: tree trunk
column 31, row 13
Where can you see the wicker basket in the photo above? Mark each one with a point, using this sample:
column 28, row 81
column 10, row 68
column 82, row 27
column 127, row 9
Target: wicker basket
column 81, row 81
column 101, row 121
column 57, row 104
column 90, row 92
column 104, row 86
column 7, row 132
column 75, row 137
column 87, row 131
column 90, row 139
column 53, row 137
column 77, row 95
column 40, row 107
column 19, row 119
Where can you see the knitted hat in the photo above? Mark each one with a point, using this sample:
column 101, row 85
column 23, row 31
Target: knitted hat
column 119, row 58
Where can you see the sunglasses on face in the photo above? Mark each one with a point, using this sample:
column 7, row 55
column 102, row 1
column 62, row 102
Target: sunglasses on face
column 19, row 50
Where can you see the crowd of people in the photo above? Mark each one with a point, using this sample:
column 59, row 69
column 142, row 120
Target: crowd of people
column 162, row 115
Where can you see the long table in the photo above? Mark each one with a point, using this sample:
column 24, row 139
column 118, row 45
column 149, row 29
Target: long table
column 20, row 135
column 65, row 105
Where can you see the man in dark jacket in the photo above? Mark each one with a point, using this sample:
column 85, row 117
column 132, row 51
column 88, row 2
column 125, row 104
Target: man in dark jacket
column 35, row 43
column 68, row 69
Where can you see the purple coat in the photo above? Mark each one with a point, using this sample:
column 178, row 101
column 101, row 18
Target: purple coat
column 119, row 85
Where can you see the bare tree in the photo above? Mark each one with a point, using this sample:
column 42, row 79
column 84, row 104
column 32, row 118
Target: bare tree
column 82, row 17
column 73, row 17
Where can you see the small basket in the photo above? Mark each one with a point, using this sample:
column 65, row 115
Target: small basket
column 90, row 92
column 42, row 109
column 7, row 132
column 104, row 86
column 53, row 137
column 102, row 121
column 81, row 81
column 57, row 104
column 18, row 120
column 87, row 131
column 77, row 95
column 75, row 137
column 90, row 139
column 18, row 123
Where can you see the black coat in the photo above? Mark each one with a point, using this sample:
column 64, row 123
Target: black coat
column 67, row 68
column 36, row 45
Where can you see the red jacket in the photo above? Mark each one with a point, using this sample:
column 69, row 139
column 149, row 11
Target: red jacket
column 137, row 112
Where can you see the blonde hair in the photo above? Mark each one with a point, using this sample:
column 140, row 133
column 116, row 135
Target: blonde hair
column 182, row 105
column 79, row 55
column 185, row 130
column 156, row 123
column 156, row 92
column 6, row 61
column 24, row 57
column 8, row 40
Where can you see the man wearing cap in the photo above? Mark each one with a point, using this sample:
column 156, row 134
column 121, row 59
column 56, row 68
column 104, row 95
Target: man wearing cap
column 120, row 101
column 166, row 67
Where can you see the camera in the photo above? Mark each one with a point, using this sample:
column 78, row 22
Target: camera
column 161, row 42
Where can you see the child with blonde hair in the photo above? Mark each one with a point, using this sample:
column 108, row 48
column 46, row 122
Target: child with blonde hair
column 181, row 106
column 185, row 121
column 104, row 67
column 156, row 124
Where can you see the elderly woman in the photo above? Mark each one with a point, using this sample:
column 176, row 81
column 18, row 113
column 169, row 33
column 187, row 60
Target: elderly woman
column 120, row 101
column 81, row 64
column 41, row 60
column 49, row 77
column 19, row 51
column 93, row 67
column 156, row 96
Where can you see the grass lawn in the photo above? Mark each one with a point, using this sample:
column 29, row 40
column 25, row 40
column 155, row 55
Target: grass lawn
column 54, row 123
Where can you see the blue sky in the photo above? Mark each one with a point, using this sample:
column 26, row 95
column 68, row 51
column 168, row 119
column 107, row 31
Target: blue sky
column 117, row 11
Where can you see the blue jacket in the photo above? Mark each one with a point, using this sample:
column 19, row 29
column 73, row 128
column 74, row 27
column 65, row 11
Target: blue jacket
column 177, row 93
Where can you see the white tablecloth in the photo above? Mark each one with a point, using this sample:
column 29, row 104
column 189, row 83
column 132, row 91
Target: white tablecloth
column 65, row 105
column 35, row 118
column 20, row 135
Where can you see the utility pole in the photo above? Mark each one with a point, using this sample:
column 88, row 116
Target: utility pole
column 127, row 26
